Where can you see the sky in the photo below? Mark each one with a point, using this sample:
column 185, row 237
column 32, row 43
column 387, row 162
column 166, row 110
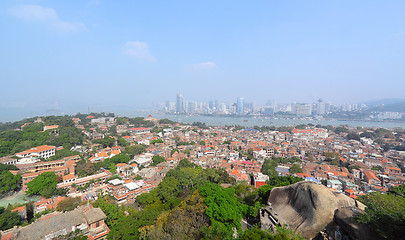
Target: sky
column 73, row 55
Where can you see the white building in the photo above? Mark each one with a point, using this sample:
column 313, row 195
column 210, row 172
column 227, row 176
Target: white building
column 43, row 151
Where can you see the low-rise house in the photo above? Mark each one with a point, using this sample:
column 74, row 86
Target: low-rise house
column 51, row 127
column 88, row 219
column 394, row 170
column 22, row 211
column 139, row 130
column 126, row 170
column 238, row 175
column 371, row 179
column 98, row 178
column 260, row 179
column 9, row 160
column 143, row 159
column 148, row 173
column 351, row 193
column 69, row 178
column 335, row 184
column 356, row 173
column 47, row 204
column 126, row 192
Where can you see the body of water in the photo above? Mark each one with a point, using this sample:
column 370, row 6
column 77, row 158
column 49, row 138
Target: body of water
column 250, row 121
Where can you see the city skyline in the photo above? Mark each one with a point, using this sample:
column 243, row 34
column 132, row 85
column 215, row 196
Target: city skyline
column 241, row 107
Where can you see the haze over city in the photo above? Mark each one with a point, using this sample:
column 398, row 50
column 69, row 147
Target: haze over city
column 133, row 55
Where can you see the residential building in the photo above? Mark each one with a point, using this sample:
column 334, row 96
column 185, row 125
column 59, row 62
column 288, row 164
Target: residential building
column 51, row 127
column 335, row 184
column 127, row 191
column 260, row 179
column 87, row 219
column 43, row 151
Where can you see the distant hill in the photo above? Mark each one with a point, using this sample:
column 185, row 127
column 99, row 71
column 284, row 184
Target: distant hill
column 393, row 107
column 384, row 101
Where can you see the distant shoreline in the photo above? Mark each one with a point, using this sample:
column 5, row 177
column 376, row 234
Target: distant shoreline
column 284, row 117
column 250, row 121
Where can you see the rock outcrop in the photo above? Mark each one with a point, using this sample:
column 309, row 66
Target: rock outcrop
column 308, row 208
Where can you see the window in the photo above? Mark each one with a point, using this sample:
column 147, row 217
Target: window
column 97, row 224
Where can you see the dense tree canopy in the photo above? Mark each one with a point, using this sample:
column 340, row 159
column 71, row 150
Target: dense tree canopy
column 385, row 213
column 223, row 210
column 157, row 159
column 134, row 150
column 32, row 135
column 9, row 219
column 189, row 204
column 295, row 169
column 44, row 185
column 107, row 141
column 9, row 182
column 68, row 204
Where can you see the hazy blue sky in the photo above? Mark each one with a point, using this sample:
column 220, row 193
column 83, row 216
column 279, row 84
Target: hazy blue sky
column 135, row 53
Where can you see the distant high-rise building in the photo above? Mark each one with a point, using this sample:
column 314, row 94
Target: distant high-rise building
column 320, row 107
column 303, row 109
column 211, row 104
column 191, row 107
column 179, row 103
column 222, row 107
column 167, row 105
column 240, row 106
column 268, row 111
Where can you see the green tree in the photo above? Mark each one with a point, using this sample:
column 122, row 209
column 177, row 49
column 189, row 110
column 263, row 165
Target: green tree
column 223, row 210
column 122, row 142
column 113, row 130
column 183, row 222
column 9, row 219
column 295, row 169
column 134, row 150
column 166, row 121
column 157, row 159
column 44, row 185
column 9, row 182
column 353, row 136
column 156, row 141
column 85, row 168
column 385, row 213
column 105, row 142
column 68, row 204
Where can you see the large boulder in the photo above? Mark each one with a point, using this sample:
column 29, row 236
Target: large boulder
column 345, row 219
column 308, row 207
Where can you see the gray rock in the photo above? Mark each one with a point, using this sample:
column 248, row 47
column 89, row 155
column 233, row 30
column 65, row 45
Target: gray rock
column 308, row 207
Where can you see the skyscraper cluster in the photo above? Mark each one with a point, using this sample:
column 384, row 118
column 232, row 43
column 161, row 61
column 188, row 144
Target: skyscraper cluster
column 241, row 107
